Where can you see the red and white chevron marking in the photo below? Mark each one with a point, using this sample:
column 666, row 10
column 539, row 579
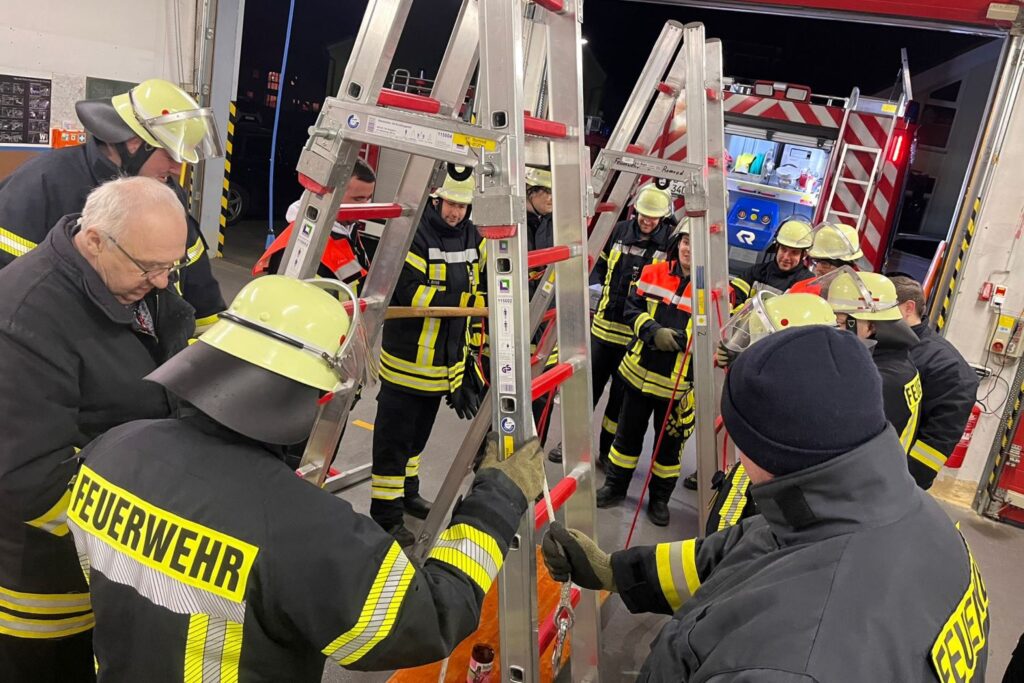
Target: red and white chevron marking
column 867, row 130
column 674, row 142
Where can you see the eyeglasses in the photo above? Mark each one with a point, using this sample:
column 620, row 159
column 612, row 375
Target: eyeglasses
column 171, row 271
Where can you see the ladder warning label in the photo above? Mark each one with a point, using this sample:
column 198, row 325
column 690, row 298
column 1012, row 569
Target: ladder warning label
column 473, row 141
column 420, row 135
column 506, row 345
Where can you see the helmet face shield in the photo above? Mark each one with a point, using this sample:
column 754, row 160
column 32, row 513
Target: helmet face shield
column 187, row 136
column 749, row 324
column 865, row 296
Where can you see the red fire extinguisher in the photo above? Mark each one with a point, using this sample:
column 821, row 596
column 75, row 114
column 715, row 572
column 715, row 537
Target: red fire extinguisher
column 957, row 458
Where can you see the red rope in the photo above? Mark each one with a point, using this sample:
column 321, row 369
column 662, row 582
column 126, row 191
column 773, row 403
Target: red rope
column 661, row 435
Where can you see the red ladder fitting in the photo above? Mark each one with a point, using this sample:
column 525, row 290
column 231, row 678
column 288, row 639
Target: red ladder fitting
column 550, row 379
column 363, row 212
column 539, row 258
column 405, row 100
column 544, row 128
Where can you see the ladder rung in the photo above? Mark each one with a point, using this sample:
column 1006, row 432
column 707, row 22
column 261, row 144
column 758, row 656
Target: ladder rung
column 368, row 212
column 854, row 181
column 605, row 207
column 560, row 493
column 551, row 5
column 863, row 148
column 312, row 185
column 539, row 258
column 635, row 149
column 544, row 128
column 497, row 232
column 405, row 100
column 844, row 214
column 551, row 379
column 547, row 630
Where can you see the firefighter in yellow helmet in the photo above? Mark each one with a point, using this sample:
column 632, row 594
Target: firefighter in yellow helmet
column 762, row 315
column 206, row 553
column 782, row 264
column 426, row 359
column 633, row 244
column 866, row 304
column 148, row 131
column 835, row 245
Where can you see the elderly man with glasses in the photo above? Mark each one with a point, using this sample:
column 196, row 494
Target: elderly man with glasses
column 83, row 318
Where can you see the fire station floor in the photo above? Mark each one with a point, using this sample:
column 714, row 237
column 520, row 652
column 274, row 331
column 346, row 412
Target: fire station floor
column 998, row 548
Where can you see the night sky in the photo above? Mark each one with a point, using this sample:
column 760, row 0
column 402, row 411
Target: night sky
column 830, row 57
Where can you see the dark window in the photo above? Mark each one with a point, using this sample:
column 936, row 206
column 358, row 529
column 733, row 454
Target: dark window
column 936, row 125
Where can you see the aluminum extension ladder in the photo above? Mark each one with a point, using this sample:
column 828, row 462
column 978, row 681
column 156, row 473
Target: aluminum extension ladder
column 427, row 130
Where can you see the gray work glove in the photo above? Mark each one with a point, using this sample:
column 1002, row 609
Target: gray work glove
column 724, row 355
column 525, row 467
column 665, row 340
column 570, row 554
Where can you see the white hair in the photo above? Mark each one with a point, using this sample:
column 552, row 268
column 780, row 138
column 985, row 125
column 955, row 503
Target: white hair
column 111, row 206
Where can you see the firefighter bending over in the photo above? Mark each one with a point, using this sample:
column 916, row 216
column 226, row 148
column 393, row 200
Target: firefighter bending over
column 206, row 553
column 849, row 574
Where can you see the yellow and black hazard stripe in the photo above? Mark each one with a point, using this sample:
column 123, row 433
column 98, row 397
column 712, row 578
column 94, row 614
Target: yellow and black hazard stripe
column 954, row 278
column 232, row 115
column 1007, row 428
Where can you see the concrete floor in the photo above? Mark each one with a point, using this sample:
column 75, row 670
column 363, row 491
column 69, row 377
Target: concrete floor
column 998, row 548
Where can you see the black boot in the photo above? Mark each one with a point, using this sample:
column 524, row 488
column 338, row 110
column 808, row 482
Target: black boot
column 657, row 507
column 690, row 482
column 555, row 454
column 616, row 484
column 403, row 537
column 416, row 505
column 602, row 462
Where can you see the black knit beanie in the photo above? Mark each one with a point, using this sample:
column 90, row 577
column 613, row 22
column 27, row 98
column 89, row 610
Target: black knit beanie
column 801, row 397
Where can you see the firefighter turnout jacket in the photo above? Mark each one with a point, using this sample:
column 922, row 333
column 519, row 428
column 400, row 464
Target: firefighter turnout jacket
column 660, row 298
column 617, row 269
column 343, row 259
column 767, row 275
column 56, row 183
column 428, row 355
column 949, row 387
column 72, row 361
column 849, row 574
column 540, row 234
column 210, row 560
column 901, row 383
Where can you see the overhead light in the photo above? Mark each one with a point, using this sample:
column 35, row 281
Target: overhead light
column 583, row 41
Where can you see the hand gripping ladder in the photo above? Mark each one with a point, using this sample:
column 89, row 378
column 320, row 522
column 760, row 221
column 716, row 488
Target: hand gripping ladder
column 615, row 175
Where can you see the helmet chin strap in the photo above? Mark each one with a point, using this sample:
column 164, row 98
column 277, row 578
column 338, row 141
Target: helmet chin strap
column 131, row 164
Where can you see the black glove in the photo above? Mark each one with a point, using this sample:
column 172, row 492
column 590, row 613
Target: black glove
column 465, row 400
column 724, row 356
column 570, row 554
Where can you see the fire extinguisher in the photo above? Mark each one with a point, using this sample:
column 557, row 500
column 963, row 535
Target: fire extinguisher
column 956, row 459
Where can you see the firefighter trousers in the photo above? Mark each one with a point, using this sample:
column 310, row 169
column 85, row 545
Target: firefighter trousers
column 47, row 660
column 604, row 363
column 400, row 432
column 638, row 411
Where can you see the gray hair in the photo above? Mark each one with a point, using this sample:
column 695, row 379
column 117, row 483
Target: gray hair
column 111, row 206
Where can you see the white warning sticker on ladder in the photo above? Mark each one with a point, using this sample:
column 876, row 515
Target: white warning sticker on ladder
column 504, row 344
column 408, row 132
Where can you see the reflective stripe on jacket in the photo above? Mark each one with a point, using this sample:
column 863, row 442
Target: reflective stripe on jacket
column 211, row 560
column 56, row 183
column 339, row 259
column 849, row 574
column 660, row 298
column 72, row 359
column 617, row 269
column 442, row 268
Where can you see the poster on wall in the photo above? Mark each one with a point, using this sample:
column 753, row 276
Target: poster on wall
column 24, row 110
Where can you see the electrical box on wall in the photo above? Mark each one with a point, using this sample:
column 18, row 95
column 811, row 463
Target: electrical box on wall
column 1005, row 337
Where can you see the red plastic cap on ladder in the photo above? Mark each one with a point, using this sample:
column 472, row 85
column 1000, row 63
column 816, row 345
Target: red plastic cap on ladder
column 405, row 100
column 368, row 212
column 543, row 127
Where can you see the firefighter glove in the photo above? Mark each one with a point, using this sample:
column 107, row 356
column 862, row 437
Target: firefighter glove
column 525, row 467
column 724, row 356
column 569, row 554
column 680, row 422
column 465, row 400
column 665, row 340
